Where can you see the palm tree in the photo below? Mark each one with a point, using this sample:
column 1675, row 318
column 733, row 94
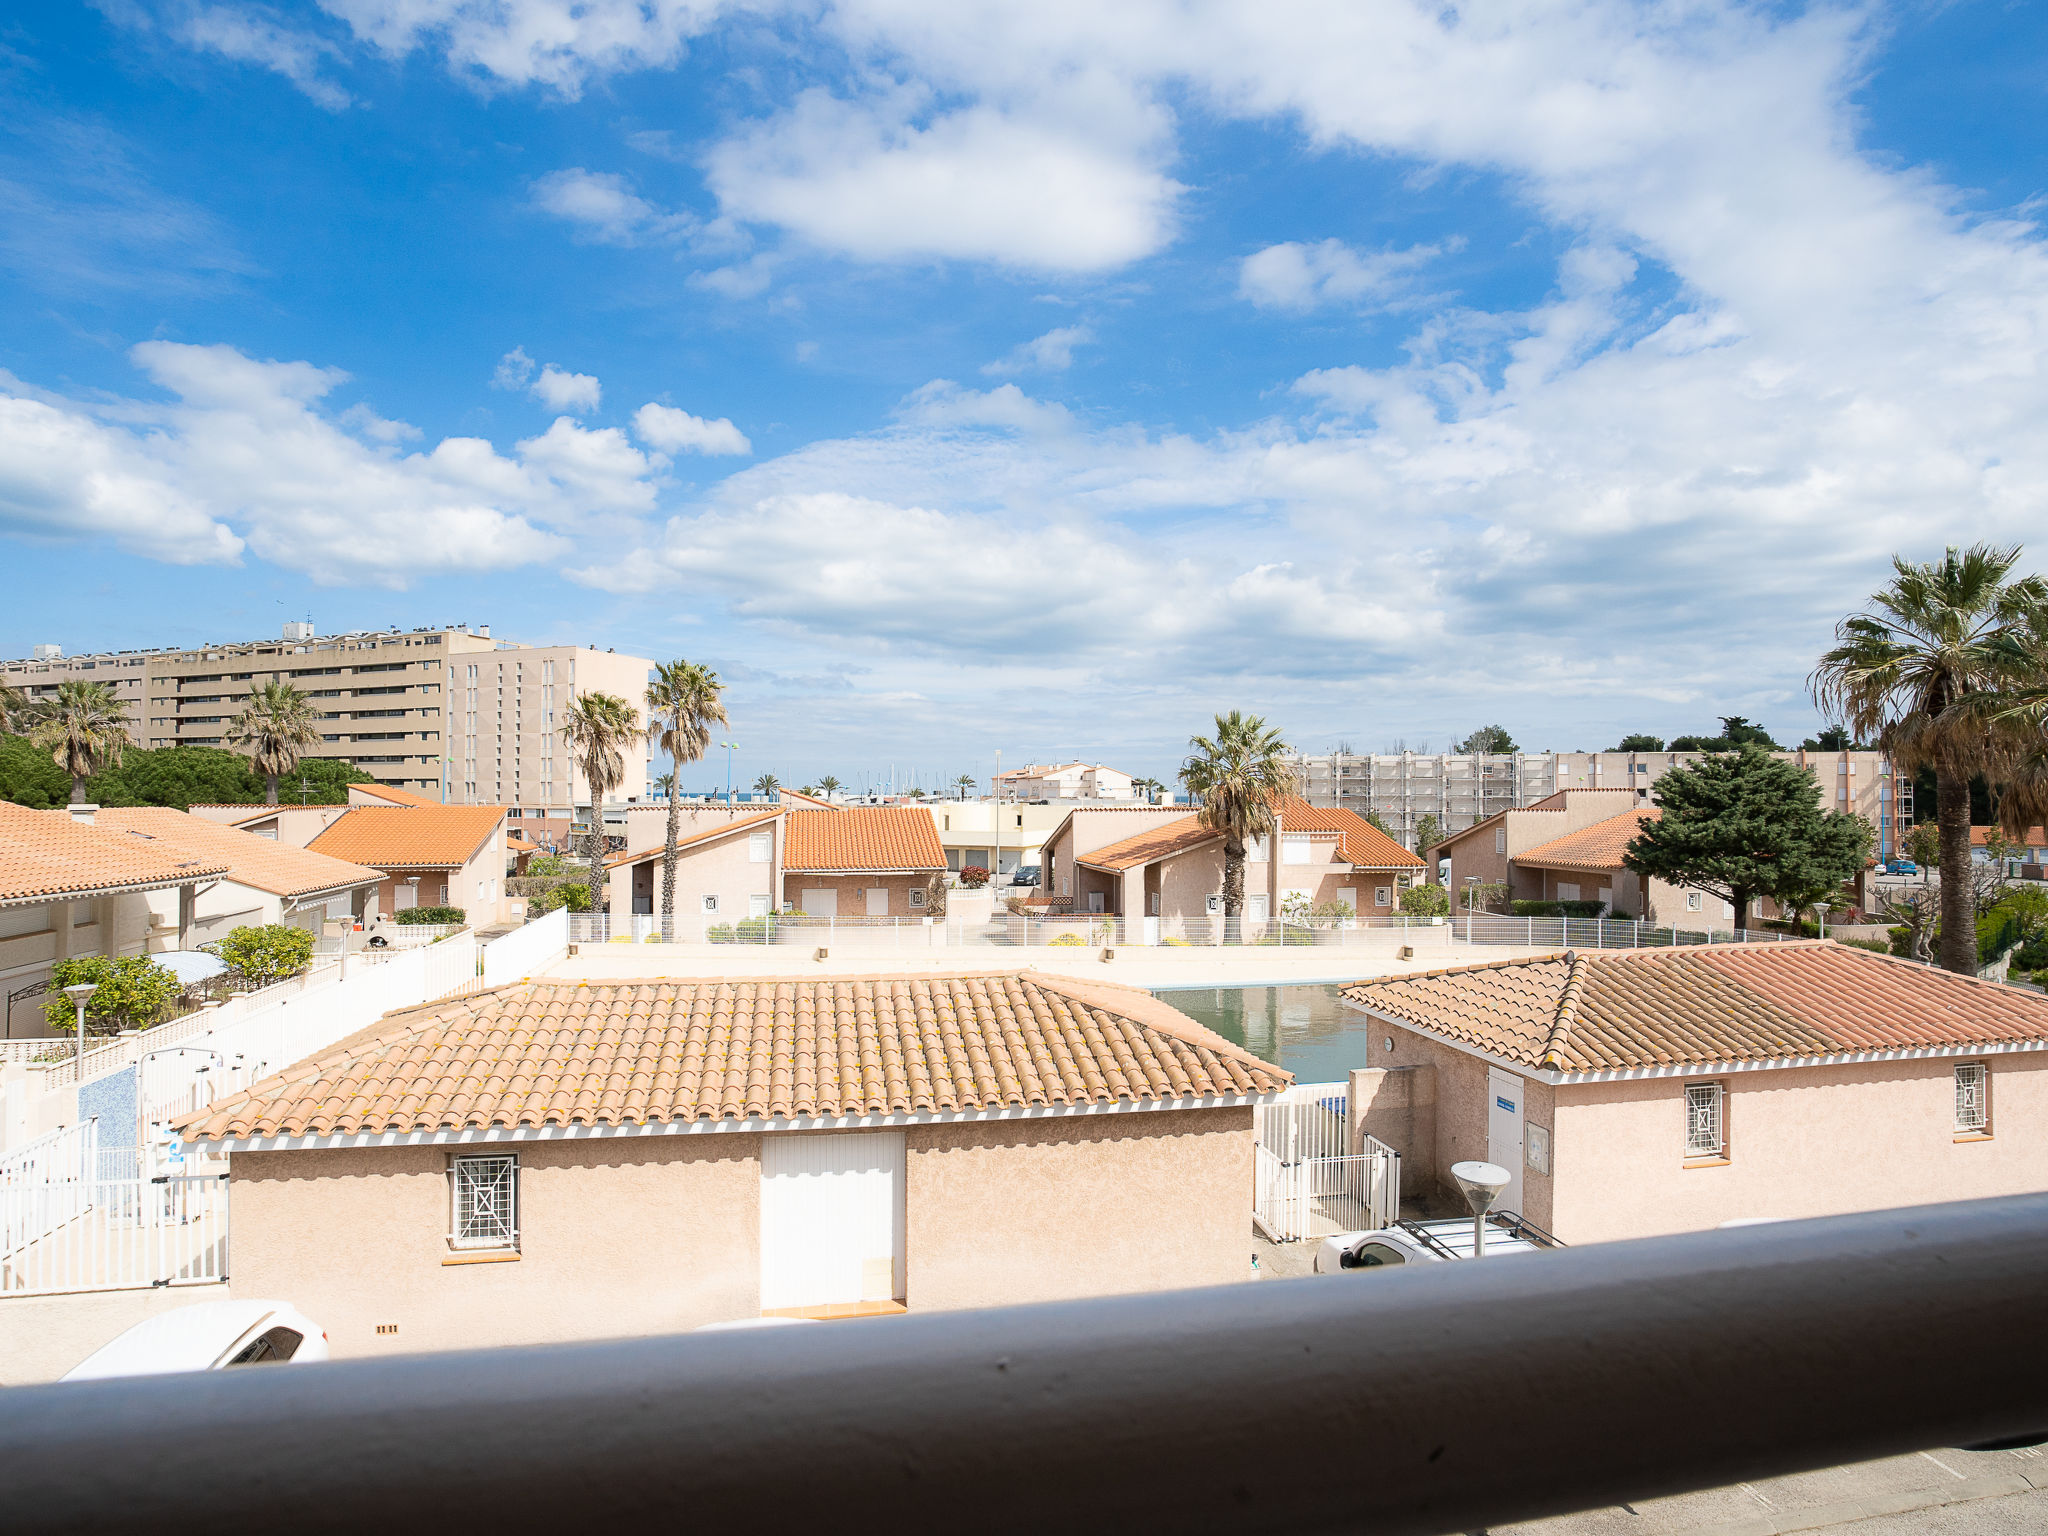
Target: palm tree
column 829, row 786
column 767, row 784
column 964, row 783
column 1923, row 672
column 682, row 707
column 666, row 783
column 83, row 729
column 596, row 728
column 1151, row 789
column 1241, row 775
column 15, row 709
column 279, row 722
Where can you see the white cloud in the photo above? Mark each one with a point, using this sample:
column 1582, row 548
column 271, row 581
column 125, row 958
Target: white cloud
column 514, row 369
column 604, row 208
column 559, row 391
column 252, row 34
column 674, row 431
column 246, row 456
column 1051, row 353
column 1301, row 277
column 870, row 180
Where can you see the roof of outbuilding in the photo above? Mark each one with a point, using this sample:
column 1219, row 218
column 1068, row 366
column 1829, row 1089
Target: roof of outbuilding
column 691, row 839
column 863, row 837
column 261, row 863
column 1598, row 847
column 48, row 854
column 392, row 793
column 1148, row 846
column 409, row 836
column 1609, row 1010
column 641, row 1052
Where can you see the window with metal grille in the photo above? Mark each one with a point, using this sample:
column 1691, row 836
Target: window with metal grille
column 1703, row 1134
column 486, row 1199
column 1973, row 1109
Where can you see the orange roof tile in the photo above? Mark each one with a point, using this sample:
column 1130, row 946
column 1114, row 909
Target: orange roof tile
column 410, row 837
column 1622, row 1009
column 2036, row 837
column 391, row 793
column 47, row 854
column 690, row 840
column 261, row 863
column 1149, row 846
column 863, row 837
column 1359, row 841
column 1598, row 847
column 653, row 1051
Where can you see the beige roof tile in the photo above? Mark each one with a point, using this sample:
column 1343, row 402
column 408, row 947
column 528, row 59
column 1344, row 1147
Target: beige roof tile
column 1607, row 1010
column 877, row 837
column 48, row 854
column 261, row 863
column 652, row 1051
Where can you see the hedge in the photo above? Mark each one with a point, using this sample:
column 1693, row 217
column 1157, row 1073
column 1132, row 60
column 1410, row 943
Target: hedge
column 1558, row 908
column 415, row 917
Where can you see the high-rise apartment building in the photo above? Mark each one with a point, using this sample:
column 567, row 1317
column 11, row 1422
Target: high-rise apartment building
column 1463, row 788
column 449, row 713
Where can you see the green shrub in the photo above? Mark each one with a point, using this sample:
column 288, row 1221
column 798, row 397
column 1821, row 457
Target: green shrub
column 1901, row 940
column 544, row 864
column 576, row 897
column 1426, row 901
column 266, row 954
column 1536, row 908
column 753, row 930
column 1174, row 942
column 1875, row 946
column 1067, row 941
column 718, row 933
column 417, row 917
column 134, row 993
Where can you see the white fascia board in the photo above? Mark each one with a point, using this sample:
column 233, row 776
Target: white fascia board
column 772, row 1123
column 134, row 888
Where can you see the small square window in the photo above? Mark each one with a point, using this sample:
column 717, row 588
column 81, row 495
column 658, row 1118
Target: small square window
column 1705, row 1125
column 917, row 901
column 1973, row 1100
column 1383, row 896
column 710, row 903
column 759, row 847
column 485, row 1197
column 1693, row 901
column 1500, row 839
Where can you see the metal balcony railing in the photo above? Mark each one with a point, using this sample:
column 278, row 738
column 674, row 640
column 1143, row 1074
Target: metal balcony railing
column 1438, row 1398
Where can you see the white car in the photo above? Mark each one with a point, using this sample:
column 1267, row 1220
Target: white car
column 1416, row 1242
column 211, row 1336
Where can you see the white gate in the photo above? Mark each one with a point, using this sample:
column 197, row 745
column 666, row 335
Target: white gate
column 831, row 1219
column 1307, row 1182
column 129, row 1234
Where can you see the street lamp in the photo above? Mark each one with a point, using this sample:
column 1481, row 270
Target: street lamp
column 78, row 992
column 728, row 745
column 1481, row 1184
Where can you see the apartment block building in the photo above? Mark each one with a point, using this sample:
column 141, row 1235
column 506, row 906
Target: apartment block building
column 1462, row 789
column 445, row 712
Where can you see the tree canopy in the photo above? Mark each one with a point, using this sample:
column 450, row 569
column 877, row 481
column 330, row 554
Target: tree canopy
column 1636, row 743
column 1736, row 731
column 1488, row 738
column 1744, row 824
column 180, row 777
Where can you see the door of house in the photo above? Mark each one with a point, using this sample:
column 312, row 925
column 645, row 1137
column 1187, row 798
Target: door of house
column 1504, row 1111
column 831, row 1219
column 821, row 901
column 878, row 901
column 404, row 896
column 1095, row 901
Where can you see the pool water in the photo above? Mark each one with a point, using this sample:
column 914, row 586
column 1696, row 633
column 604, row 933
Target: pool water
column 1308, row 1030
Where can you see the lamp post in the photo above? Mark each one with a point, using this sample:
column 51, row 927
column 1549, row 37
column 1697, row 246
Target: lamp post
column 728, row 745
column 78, row 992
column 1481, row 1184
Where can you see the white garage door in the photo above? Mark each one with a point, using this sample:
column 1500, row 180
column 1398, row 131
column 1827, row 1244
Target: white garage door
column 831, row 1219
column 821, row 901
column 878, row 901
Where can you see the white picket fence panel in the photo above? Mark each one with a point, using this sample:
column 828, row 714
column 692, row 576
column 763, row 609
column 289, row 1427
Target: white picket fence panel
column 46, row 1183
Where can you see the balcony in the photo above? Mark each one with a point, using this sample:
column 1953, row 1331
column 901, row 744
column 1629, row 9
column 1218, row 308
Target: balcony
column 1415, row 1401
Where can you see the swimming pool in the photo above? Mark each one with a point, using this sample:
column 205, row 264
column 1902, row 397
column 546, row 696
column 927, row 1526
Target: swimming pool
column 1306, row 1029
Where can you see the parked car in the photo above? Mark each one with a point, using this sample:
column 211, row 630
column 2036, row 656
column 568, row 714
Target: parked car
column 1902, row 867
column 1025, row 874
column 1427, row 1242
column 211, row 1336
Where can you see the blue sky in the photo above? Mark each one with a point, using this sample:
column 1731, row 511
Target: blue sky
column 959, row 377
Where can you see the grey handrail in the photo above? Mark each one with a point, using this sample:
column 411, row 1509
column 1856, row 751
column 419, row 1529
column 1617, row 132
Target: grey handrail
column 1432, row 1398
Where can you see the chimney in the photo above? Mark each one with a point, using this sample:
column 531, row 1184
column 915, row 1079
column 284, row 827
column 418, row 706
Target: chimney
column 82, row 814
column 483, row 631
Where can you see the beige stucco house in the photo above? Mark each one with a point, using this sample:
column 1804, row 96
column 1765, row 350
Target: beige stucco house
column 1637, row 1092
column 71, row 888
column 1170, row 867
column 566, row 1160
column 429, row 856
column 727, row 866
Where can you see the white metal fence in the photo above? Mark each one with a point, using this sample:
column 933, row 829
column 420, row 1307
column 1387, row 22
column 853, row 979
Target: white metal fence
column 124, row 1234
column 1596, row 933
column 44, row 1184
column 1307, row 1182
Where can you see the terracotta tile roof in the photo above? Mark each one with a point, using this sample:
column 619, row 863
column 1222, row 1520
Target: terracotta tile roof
column 47, row 854
column 1359, row 841
column 690, row 839
column 863, row 837
column 1619, row 1009
column 1598, row 847
column 2037, row 837
column 259, row 862
column 651, row 1051
column 409, row 837
column 1152, row 844
column 1555, row 801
